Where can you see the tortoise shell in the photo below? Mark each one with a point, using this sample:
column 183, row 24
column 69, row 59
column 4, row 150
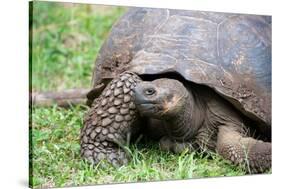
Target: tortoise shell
column 230, row 53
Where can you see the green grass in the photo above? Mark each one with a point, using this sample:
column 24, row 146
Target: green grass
column 66, row 40
column 56, row 160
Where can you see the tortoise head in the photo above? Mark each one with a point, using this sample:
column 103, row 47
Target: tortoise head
column 161, row 98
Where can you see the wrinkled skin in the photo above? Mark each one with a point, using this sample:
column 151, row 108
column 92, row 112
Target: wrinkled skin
column 159, row 100
column 179, row 116
column 201, row 120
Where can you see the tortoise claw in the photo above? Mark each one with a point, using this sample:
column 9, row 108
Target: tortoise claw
column 113, row 155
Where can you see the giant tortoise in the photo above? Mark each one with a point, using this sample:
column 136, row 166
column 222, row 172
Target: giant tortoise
column 187, row 79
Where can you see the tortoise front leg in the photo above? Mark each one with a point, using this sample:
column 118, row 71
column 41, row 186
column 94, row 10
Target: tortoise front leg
column 255, row 154
column 110, row 121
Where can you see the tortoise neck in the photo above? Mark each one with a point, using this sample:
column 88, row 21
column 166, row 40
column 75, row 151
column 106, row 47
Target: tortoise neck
column 185, row 125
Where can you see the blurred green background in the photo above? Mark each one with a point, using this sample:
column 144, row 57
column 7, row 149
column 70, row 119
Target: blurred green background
column 66, row 39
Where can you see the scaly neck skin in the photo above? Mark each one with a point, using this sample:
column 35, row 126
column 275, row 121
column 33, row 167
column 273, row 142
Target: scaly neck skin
column 184, row 125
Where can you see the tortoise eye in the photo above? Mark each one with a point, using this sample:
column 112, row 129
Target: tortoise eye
column 149, row 91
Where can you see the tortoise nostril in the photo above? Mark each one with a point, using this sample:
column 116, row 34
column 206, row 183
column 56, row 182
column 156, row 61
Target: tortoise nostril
column 149, row 91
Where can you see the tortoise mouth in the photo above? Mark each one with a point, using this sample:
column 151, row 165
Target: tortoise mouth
column 148, row 109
